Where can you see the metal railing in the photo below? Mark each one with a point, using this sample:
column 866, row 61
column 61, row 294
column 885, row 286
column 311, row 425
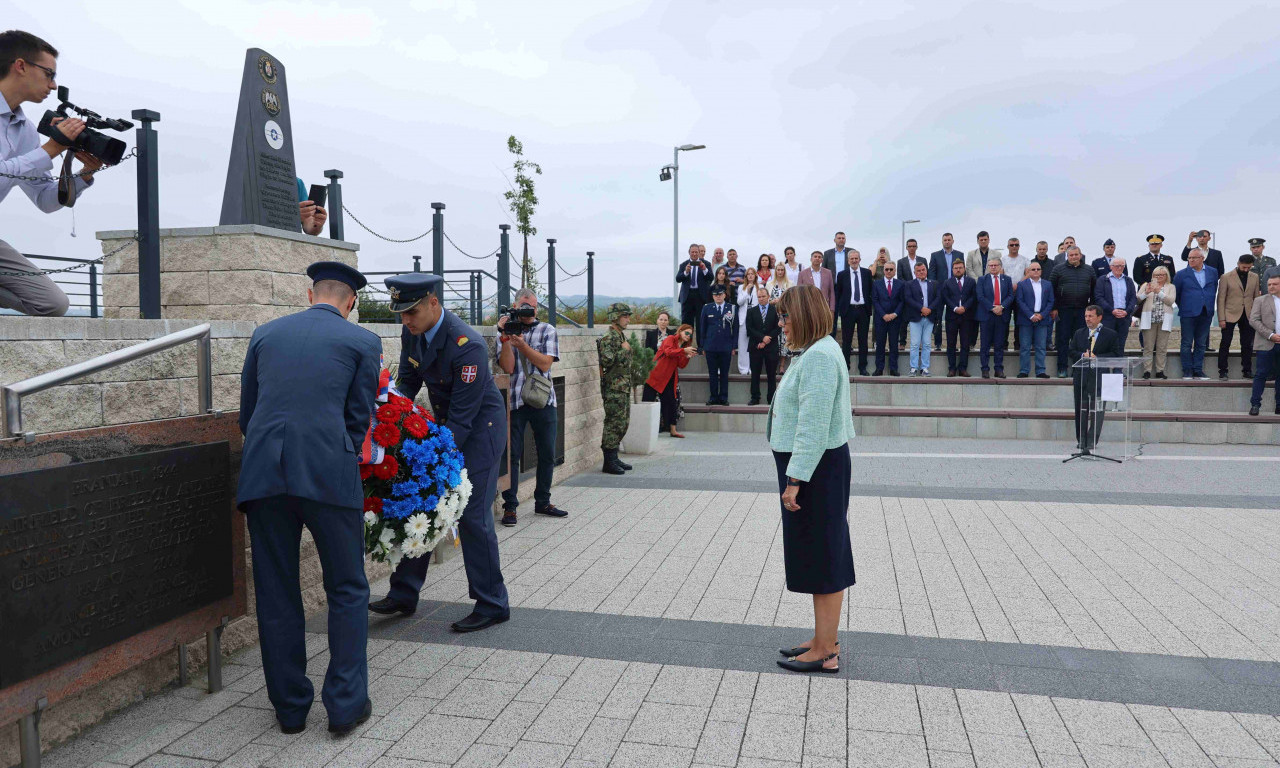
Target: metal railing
column 83, row 288
column 12, row 394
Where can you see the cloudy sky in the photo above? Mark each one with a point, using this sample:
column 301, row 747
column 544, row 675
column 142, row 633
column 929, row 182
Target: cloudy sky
column 1035, row 119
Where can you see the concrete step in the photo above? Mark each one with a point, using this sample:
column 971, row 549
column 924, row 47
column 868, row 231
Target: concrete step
column 1197, row 427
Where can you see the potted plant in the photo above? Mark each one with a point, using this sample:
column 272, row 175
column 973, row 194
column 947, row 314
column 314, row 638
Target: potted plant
column 642, row 432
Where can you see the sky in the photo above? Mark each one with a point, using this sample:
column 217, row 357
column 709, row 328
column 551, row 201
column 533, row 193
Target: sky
column 1030, row 119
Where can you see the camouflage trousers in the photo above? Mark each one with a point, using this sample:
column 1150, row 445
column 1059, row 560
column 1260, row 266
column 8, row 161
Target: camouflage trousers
column 617, row 416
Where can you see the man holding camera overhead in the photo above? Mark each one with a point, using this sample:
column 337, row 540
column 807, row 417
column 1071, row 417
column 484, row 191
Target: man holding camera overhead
column 28, row 71
column 526, row 350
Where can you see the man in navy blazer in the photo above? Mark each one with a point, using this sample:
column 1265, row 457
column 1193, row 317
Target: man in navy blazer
column 449, row 358
column 887, row 304
column 1034, row 300
column 1118, row 297
column 853, row 307
column 940, row 269
column 922, row 302
column 1197, row 288
column 959, row 295
column 306, row 392
column 994, row 298
column 695, row 278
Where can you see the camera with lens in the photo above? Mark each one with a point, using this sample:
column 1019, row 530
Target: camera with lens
column 515, row 319
column 101, row 146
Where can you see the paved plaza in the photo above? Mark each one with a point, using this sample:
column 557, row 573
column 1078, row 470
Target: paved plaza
column 1010, row 611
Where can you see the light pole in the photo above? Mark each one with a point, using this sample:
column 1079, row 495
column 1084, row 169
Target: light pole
column 673, row 172
column 905, row 222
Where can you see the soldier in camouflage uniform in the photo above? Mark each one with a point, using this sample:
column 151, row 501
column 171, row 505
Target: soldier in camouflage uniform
column 615, row 387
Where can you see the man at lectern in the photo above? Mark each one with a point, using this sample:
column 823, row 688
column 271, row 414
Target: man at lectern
column 1093, row 340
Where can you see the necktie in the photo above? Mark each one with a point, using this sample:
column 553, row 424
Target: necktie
column 856, row 276
column 1093, row 336
column 889, row 285
column 996, row 282
column 695, row 275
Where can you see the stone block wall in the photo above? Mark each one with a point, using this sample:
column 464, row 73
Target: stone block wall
column 243, row 272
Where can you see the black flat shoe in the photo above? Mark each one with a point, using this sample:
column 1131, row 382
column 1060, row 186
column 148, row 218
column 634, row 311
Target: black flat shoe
column 386, row 606
column 476, row 622
column 342, row 729
column 810, row 666
column 799, row 649
column 290, row 730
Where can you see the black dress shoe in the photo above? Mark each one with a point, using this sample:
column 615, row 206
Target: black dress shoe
column 879, row 372
column 342, row 729
column 863, row 372
column 387, row 606
column 290, row 730
column 999, row 374
column 1024, row 375
column 753, row 401
column 1042, row 375
column 1253, row 410
column 509, row 517
column 1161, row 375
column 894, row 373
column 551, row 510
column 810, row 666
column 986, row 374
column 964, row 373
column 476, row 622
column 1146, row 374
column 1222, row 377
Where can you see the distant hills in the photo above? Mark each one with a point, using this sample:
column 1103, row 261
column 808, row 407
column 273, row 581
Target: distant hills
column 603, row 301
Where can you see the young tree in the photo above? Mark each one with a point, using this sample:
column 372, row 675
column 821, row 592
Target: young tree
column 523, row 201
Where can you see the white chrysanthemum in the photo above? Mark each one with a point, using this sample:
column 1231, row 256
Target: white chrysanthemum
column 417, row 526
column 415, row 548
column 395, row 557
column 386, row 537
column 446, row 507
column 370, row 519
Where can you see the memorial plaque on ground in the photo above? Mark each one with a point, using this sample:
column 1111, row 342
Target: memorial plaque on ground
column 95, row 552
column 262, row 186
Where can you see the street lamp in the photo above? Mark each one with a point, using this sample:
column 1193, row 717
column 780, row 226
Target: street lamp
column 672, row 172
column 905, row 222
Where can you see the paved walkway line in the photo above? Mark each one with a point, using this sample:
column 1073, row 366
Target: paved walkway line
column 1020, row 456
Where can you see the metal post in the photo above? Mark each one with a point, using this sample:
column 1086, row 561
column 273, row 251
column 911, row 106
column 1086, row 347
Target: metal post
column 479, row 296
column 93, row 290
column 417, row 263
column 591, row 289
column 437, row 245
column 148, row 215
column 675, row 231
column 471, row 297
column 504, row 266
column 213, row 642
column 29, row 736
column 335, row 203
column 204, row 373
column 551, row 280
column 182, row 665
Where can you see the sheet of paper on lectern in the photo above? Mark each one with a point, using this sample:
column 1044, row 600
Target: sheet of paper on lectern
column 1113, row 387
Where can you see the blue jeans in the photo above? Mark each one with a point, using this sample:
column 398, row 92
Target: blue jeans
column 1268, row 367
column 1195, row 329
column 920, row 332
column 1036, row 335
column 543, row 422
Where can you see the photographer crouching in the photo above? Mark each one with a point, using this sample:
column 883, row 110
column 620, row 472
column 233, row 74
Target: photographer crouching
column 526, row 350
column 28, row 71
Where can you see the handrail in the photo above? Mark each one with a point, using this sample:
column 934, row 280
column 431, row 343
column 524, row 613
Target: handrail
column 568, row 320
column 12, row 394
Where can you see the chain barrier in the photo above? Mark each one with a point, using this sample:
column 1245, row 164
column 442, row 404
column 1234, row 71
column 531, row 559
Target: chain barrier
column 27, row 273
column 382, row 237
column 567, row 273
column 469, row 256
column 47, row 179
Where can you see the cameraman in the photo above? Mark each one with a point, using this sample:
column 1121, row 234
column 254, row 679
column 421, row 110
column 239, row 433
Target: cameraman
column 28, row 70
column 539, row 347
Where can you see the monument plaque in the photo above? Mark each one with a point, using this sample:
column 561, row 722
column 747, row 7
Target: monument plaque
column 96, row 552
column 261, row 182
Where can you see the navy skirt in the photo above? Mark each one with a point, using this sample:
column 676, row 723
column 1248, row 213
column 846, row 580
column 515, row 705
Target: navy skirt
column 816, row 547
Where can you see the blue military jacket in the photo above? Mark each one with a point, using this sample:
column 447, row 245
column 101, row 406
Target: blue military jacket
column 455, row 369
column 719, row 327
column 306, row 393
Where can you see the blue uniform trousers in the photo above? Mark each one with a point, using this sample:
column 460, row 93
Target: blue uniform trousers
column 718, row 374
column 275, row 532
column 479, row 553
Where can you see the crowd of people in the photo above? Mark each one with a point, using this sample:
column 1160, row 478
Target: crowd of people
column 988, row 298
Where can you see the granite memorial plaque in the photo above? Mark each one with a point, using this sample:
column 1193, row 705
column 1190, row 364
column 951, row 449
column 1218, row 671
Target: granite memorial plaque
column 261, row 182
column 96, row 552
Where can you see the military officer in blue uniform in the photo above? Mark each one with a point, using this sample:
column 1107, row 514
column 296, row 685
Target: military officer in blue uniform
column 306, row 393
column 445, row 354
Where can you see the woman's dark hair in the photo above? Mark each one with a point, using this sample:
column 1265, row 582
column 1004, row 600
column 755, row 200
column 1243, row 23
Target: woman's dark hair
column 788, row 248
column 808, row 316
column 16, row 44
column 660, row 314
column 719, row 270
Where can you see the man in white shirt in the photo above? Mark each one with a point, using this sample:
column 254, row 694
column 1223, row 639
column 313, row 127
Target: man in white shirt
column 1015, row 266
column 821, row 278
column 28, row 73
column 1034, row 299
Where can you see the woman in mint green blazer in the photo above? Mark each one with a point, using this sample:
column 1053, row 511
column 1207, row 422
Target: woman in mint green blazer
column 810, row 424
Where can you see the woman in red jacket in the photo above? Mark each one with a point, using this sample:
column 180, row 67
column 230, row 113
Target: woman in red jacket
column 673, row 353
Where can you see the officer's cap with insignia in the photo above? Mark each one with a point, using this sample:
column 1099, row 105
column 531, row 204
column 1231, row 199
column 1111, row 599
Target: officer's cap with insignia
column 1256, row 241
column 1109, row 242
column 618, row 309
column 716, row 290
column 1155, row 238
column 336, row 270
column 410, row 288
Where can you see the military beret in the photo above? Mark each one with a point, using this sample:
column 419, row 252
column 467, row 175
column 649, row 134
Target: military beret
column 336, row 270
column 1256, row 241
column 410, row 288
column 1109, row 242
column 717, row 290
column 1155, row 238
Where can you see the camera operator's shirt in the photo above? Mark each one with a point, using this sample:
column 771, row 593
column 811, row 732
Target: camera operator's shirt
column 20, row 154
column 542, row 338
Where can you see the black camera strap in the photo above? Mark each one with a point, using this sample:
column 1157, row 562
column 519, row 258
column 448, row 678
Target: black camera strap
column 67, row 182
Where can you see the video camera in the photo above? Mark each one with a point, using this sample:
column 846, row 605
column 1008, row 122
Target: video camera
column 101, row 146
column 515, row 319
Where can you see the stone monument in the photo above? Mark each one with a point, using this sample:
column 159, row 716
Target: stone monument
column 261, row 182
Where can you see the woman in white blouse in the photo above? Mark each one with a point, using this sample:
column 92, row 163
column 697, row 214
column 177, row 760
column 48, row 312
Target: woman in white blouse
column 793, row 267
column 778, row 286
column 1158, row 308
column 746, row 300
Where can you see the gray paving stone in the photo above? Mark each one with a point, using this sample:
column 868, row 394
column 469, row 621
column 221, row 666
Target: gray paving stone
column 560, row 666
column 401, row 720
column 730, row 709
column 482, row 699
column 1180, row 750
column 883, row 707
column 508, row 728
column 562, row 721
column 250, row 756
column 1001, row 751
column 943, row 726
column 774, row 737
column 783, row 694
column 151, row 742
column 685, row 685
column 443, row 737
column 740, row 684
column 207, row 706
column 671, row 725
column 633, row 755
column 875, row 749
column 1062, row 761
column 224, row 735
column 314, row 746
column 511, row 666
column 1095, row 722
column 442, row 682
column 989, row 712
column 600, row 740
column 482, row 756
column 540, row 688
column 592, row 680
column 1219, row 734
column 533, row 754
column 359, row 753
column 1111, row 756
column 174, row 761
column 825, row 736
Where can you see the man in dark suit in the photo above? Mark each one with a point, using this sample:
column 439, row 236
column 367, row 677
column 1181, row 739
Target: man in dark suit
column 1212, row 256
column 451, row 359
column 719, row 331
column 1146, row 264
column 853, row 307
column 923, row 304
column 959, row 295
column 306, row 393
column 1093, row 341
column 694, row 277
column 886, row 304
column 1033, row 300
column 835, row 260
column 1102, row 265
column 1118, row 297
column 762, row 343
column 906, row 273
column 940, row 269
column 993, row 300
column 1197, row 288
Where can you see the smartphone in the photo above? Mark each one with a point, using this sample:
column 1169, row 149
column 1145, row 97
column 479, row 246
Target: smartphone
column 318, row 193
